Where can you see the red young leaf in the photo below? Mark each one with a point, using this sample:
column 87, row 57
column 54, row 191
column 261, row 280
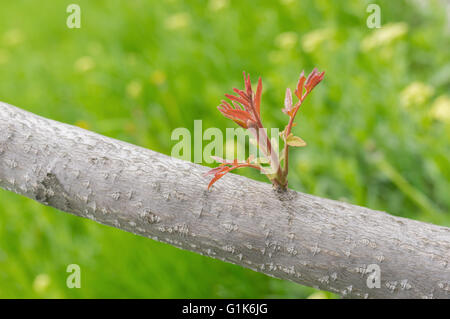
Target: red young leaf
column 226, row 167
column 246, row 106
column 299, row 89
column 258, row 97
column 245, row 111
column 219, row 175
column 313, row 79
column 239, row 99
column 248, row 85
column 288, row 102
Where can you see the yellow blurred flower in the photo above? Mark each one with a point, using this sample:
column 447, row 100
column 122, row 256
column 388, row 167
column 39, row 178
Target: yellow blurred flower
column 287, row 2
column 158, row 77
column 13, row 37
column 417, row 93
column 318, row 295
column 84, row 64
column 286, row 40
column 216, row 5
column 178, row 21
column 440, row 110
column 312, row 40
column 384, row 36
column 134, row 89
column 41, row 283
column 82, row 124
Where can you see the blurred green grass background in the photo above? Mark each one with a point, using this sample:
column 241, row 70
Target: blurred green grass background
column 377, row 127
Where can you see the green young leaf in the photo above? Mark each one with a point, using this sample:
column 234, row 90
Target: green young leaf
column 262, row 160
column 293, row 140
column 283, row 132
column 270, row 175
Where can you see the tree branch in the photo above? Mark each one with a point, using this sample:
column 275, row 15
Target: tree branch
column 306, row 239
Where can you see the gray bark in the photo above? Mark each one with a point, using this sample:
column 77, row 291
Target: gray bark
column 313, row 241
